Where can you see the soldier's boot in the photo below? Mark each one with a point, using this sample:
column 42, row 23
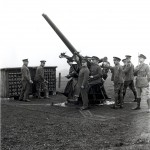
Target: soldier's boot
column 135, row 95
column 121, row 101
column 115, row 105
column 138, row 104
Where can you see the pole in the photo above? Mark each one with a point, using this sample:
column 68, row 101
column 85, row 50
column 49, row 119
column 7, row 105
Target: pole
column 59, row 81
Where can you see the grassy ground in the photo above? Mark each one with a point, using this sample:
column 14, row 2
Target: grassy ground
column 41, row 125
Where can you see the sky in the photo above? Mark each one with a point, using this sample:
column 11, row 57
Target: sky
column 94, row 27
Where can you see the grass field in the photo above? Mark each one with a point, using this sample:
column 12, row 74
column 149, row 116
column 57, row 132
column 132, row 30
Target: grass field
column 41, row 125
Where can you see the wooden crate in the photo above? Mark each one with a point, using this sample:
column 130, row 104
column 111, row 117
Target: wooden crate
column 11, row 81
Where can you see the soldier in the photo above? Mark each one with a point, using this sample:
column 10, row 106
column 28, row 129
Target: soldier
column 118, row 80
column 105, row 71
column 129, row 77
column 95, row 81
column 83, row 84
column 142, row 71
column 40, row 81
column 71, row 85
column 26, row 81
column 95, row 71
column 124, row 64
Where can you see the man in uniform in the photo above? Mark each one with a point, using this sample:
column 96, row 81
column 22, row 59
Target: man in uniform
column 95, row 81
column 105, row 71
column 41, row 83
column 95, row 71
column 142, row 71
column 128, row 70
column 118, row 79
column 26, row 81
column 71, row 85
column 83, row 84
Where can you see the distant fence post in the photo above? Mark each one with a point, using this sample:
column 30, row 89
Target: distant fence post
column 59, row 81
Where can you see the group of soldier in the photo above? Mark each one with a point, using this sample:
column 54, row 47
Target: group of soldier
column 124, row 77
column 26, row 81
column 87, row 78
column 86, row 81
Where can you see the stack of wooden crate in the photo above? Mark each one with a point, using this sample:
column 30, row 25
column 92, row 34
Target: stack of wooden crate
column 11, row 81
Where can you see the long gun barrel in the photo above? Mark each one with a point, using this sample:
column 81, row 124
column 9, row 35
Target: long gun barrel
column 59, row 33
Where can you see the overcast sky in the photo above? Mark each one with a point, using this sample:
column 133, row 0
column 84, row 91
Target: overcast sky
column 94, row 27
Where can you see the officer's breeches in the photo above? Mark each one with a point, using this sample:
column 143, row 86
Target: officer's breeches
column 131, row 85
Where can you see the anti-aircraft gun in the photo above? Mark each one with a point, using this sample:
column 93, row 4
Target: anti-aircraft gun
column 74, row 52
column 66, row 42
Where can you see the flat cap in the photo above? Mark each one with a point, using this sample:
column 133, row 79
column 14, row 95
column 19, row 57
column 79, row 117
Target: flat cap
column 84, row 60
column 105, row 59
column 142, row 56
column 25, row 60
column 43, row 61
column 123, row 60
column 95, row 57
column 128, row 56
column 117, row 58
